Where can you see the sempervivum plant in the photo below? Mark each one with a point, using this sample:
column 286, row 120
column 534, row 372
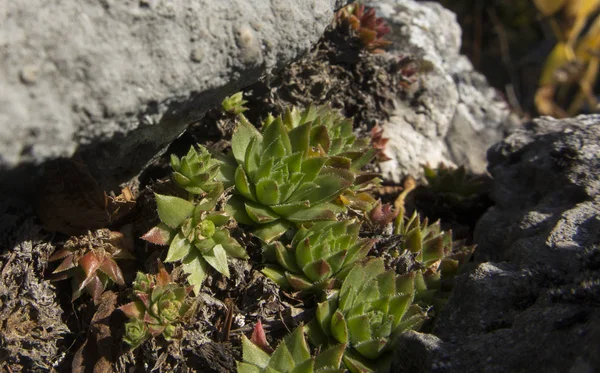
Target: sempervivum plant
column 317, row 254
column 279, row 177
column 370, row 310
column 454, row 184
column 331, row 134
column 196, row 171
column 291, row 355
column 90, row 261
column 158, row 304
column 197, row 234
column 438, row 257
column 368, row 26
column 234, row 104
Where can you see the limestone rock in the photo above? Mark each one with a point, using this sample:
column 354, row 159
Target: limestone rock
column 456, row 115
column 117, row 80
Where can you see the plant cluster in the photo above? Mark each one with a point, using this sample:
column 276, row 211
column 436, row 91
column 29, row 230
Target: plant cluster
column 437, row 257
column 369, row 28
column 158, row 304
column 90, row 261
column 371, row 308
column 454, row 185
column 291, row 355
column 318, row 255
column 299, row 185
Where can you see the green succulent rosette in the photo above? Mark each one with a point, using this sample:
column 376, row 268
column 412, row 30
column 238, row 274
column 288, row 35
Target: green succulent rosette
column 234, row 104
column 454, row 184
column 318, row 255
column 280, row 178
column 370, row 310
column 158, row 304
column 438, row 257
column 197, row 235
column 292, row 355
column 196, row 172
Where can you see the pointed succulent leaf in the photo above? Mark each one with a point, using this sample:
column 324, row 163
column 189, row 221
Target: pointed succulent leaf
column 253, row 354
column 267, row 192
column 242, row 184
column 259, row 338
column 276, row 275
column 339, row 328
column 260, row 214
column 162, row 234
column 173, row 211
column 282, row 359
column 197, row 270
column 236, row 208
column 241, row 139
column 311, row 214
column 217, row 258
column 180, row 248
column 271, row 231
column 90, row 263
column 330, row 359
column 298, row 282
column 111, row 269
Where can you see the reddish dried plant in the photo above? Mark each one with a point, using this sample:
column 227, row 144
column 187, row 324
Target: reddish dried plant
column 90, row 262
column 379, row 143
column 368, row 26
column 382, row 215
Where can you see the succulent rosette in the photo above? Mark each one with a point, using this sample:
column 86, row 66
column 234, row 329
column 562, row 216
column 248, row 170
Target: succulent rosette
column 280, row 178
column 331, row 133
column 370, row 310
column 234, row 104
column 317, row 254
column 438, row 258
column 90, row 261
column 196, row 171
column 333, row 136
column 291, row 355
column 197, row 234
column 369, row 28
column 158, row 304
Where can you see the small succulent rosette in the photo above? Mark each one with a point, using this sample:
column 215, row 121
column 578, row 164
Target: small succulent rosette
column 370, row 310
column 369, row 28
column 90, row 261
column 455, row 185
column 234, row 104
column 197, row 234
column 318, row 255
column 291, row 355
column 158, row 305
column 196, row 172
column 438, row 257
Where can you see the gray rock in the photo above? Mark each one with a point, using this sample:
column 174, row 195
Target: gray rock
column 533, row 303
column 457, row 115
column 117, row 80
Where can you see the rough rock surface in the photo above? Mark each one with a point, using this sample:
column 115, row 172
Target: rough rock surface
column 117, row 80
column 456, row 115
column 533, row 301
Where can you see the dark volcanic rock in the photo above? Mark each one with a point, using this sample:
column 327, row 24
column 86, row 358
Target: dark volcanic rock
column 533, row 303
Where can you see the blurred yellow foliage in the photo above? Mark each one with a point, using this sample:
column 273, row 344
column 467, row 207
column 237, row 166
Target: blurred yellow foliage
column 575, row 58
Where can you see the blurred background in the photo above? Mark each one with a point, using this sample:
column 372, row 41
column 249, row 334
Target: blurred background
column 542, row 55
